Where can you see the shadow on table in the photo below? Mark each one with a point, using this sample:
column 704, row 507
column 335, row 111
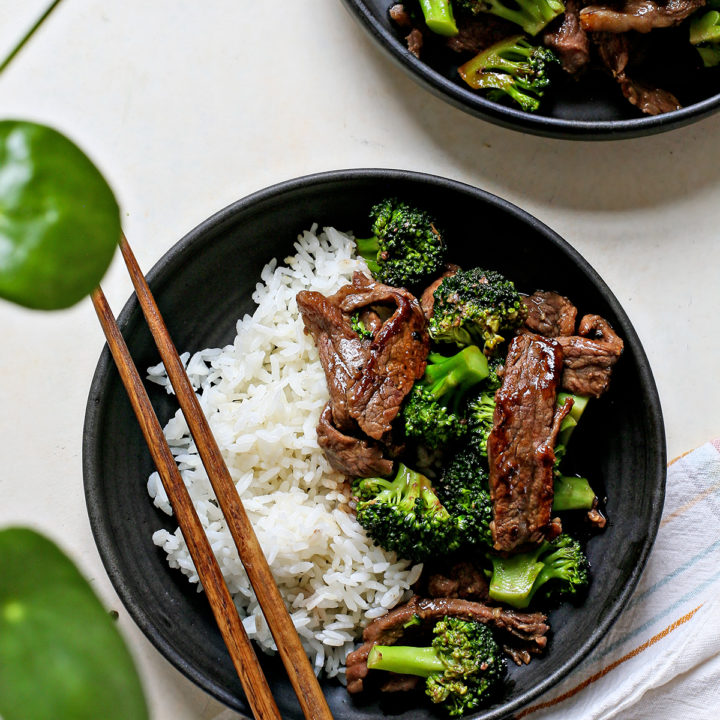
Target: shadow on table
column 583, row 175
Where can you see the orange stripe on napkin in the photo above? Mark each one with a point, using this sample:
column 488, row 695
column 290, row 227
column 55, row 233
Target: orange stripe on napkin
column 611, row 666
column 684, row 508
column 680, row 457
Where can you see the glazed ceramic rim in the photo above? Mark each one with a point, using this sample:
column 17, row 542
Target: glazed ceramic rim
column 178, row 254
column 514, row 119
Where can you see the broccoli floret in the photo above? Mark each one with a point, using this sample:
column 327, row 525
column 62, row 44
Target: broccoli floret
column 557, row 568
column 405, row 515
column 531, row 15
column 359, row 327
column 705, row 36
column 406, row 248
column 481, row 410
column 473, row 307
column 511, row 68
column 432, row 411
column 439, row 17
column 493, row 380
column 463, row 490
column 480, row 413
column 463, row 666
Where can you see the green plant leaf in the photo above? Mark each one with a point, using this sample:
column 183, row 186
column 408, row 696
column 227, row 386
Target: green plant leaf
column 61, row 655
column 59, row 220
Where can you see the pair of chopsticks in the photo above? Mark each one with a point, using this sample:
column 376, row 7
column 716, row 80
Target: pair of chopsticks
column 297, row 665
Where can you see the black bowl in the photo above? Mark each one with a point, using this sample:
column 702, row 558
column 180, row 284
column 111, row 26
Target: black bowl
column 592, row 109
column 205, row 282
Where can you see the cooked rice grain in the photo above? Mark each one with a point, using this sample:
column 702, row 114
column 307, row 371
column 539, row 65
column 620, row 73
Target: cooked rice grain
column 263, row 396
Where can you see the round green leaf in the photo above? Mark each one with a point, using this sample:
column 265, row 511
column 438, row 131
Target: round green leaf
column 59, row 220
column 61, row 655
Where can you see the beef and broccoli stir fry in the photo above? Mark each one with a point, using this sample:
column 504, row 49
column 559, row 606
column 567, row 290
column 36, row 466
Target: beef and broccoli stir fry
column 516, row 50
column 453, row 398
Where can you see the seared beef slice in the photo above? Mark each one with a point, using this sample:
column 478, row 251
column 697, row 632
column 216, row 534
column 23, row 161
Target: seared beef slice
column 520, row 445
column 567, row 38
column 614, row 51
column 639, row 15
column 348, row 454
column 590, row 356
column 396, row 358
column 550, row 314
column 367, row 378
column 342, row 352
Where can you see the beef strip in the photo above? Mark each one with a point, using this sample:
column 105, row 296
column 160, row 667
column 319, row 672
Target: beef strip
column 638, row 15
column 614, row 51
column 590, row 356
column 464, row 579
column 523, row 634
column 427, row 299
column 520, row 444
column 568, row 39
column 477, row 34
column 647, row 98
column 367, row 379
column 350, row 455
column 550, row 314
column 342, row 353
column 396, row 357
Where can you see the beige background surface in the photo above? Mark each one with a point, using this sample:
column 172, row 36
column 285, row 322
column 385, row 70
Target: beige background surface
column 187, row 106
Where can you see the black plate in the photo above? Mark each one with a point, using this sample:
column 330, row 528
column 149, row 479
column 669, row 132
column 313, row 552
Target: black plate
column 204, row 283
column 593, row 109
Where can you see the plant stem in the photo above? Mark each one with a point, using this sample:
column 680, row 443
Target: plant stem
column 28, row 35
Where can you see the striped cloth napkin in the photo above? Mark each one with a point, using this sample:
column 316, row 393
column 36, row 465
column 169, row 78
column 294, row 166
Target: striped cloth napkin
column 661, row 659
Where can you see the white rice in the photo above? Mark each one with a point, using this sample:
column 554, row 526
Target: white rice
column 263, row 396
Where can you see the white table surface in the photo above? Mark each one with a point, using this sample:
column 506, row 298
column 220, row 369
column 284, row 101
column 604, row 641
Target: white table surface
column 188, row 106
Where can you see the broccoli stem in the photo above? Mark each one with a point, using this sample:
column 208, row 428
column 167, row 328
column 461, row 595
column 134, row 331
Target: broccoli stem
column 531, row 15
column 421, row 661
column 572, row 493
column 568, row 425
column 573, row 417
column 456, row 374
column 368, row 249
column 516, row 579
column 439, row 17
column 579, row 404
column 710, row 55
column 705, row 35
column 513, row 577
column 705, row 28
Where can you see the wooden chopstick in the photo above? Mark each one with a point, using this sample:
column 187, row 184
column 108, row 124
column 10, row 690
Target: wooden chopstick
column 238, row 644
column 306, row 686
